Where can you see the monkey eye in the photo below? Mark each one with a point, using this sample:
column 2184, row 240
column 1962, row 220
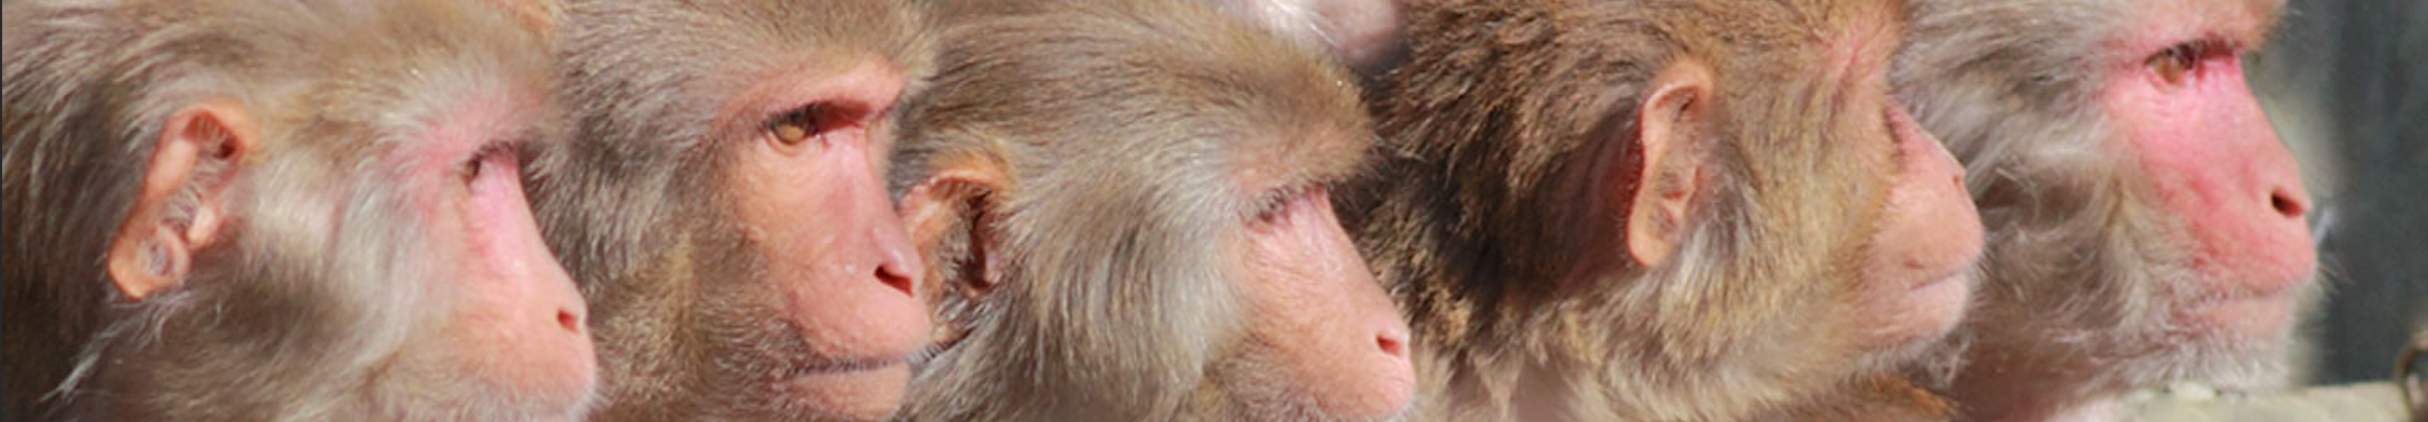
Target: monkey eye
column 814, row 121
column 2180, row 62
column 493, row 154
column 1275, row 207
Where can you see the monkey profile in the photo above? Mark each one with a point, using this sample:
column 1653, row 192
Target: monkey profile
column 1659, row 210
column 721, row 204
column 2147, row 225
column 237, row 210
column 1126, row 204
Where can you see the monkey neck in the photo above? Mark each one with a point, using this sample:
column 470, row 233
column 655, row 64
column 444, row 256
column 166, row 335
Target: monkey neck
column 2095, row 409
column 1993, row 389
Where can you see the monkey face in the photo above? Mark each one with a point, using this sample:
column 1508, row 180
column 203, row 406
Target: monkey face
column 516, row 320
column 2213, row 162
column 1322, row 321
column 1919, row 274
column 1918, row 270
column 723, row 209
column 837, row 266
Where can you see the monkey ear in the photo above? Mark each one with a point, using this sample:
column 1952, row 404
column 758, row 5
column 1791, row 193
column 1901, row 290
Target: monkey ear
column 176, row 210
column 954, row 204
column 1666, row 121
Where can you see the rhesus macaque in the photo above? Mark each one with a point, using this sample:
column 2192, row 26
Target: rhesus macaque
column 1363, row 34
column 238, row 210
column 722, row 207
column 1126, row 206
column 1659, row 210
column 2146, row 225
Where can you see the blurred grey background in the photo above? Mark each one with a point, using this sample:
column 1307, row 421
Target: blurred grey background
column 2346, row 83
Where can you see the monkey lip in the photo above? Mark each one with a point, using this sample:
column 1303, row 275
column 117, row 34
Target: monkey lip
column 846, row 366
column 1951, row 276
column 2252, row 289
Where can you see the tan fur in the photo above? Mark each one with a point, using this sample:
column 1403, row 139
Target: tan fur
column 1120, row 131
column 317, row 310
column 1486, row 227
column 631, row 206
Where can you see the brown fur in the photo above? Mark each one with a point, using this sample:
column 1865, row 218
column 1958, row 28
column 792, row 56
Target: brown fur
column 318, row 309
column 1485, row 227
column 631, row 207
column 1117, row 128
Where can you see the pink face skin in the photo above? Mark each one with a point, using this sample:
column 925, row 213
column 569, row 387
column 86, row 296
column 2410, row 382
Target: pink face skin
column 834, row 246
column 1929, row 237
column 2214, row 161
column 1340, row 340
column 516, row 321
column 1919, row 271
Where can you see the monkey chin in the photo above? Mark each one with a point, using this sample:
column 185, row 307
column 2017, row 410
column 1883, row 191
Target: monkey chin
column 2247, row 318
column 2244, row 310
column 869, row 391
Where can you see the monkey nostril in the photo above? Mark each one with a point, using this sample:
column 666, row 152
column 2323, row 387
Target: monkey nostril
column 895, row 278
column 568, row 320
column 2285, row 204
column 1392, row 345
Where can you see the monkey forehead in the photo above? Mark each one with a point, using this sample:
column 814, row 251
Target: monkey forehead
column 471, row 120
column 483, row 78
column 1294, row 157
column 1861, row 40
column 867, row 83
column 2163, row 23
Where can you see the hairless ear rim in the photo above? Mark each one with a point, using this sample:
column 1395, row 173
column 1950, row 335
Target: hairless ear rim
column 1668, row 119
column 958, row 197
column 154, row 246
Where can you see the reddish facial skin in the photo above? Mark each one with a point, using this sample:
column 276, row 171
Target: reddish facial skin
column 1321, row 311
column 1919, row 269
column 1922, row 255
column 1363, row 33
column 515, row 316
column 2215, row 162
column 517, row 308
column 2148, row 223
column 836, row 251
column 721, row 205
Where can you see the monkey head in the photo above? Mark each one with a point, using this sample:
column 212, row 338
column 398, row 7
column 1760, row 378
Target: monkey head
column 1127, row 206
column 722, row 205
column 2140, row 204
column 1659, row 210
column 303, row 212
column 1362, row 34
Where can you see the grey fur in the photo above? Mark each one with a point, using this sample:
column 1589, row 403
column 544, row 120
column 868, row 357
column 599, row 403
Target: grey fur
column 1494, row 232
column 2080, row 254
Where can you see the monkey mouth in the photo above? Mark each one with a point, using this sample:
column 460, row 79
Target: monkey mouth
column 847, row 366
column 1960, row 275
